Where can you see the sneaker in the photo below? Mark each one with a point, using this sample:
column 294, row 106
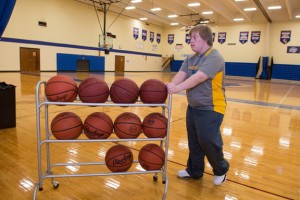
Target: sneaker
column 183, row 174
column 218, row 180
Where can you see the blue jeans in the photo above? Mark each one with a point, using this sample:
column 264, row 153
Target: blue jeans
column 204, row 139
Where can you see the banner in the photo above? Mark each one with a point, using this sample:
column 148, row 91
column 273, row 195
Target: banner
column 244, row 37
column 187, row 38
column 293, row 49
column 135, row 33
column 170, row 38
column 158, row 38
column 144, row 35
column 285, row 37
column 255, row 37
column 222, row 37
column 151, row 36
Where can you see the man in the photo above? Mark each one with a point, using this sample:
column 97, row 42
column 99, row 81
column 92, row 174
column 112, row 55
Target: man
column 201, row 75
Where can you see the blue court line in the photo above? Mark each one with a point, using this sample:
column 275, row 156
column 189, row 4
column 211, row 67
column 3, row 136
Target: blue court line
column 260, row 103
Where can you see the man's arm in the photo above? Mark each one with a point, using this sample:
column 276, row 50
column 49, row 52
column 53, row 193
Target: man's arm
column 191, row 82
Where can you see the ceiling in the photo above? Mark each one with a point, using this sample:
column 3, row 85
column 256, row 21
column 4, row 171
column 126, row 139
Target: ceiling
column 224, row 11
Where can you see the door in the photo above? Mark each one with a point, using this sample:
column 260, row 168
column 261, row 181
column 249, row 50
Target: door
column 119, row 63
column 29, row 59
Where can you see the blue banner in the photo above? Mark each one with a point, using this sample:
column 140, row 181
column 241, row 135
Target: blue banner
column 151, row 36
column 293, row 49
column 158, row 38
column 135, row 33
column 222, row 37
column 255, row 37
column 171, row 38
column 144, row 35
column 187, row 38
column 244, row 37
column 285, row 37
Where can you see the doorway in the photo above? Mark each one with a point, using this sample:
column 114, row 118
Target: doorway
column 119, row 63
column 29, row 60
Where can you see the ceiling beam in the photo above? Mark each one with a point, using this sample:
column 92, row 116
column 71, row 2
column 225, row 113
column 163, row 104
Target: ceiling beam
column 289, row 8
column 262, row 9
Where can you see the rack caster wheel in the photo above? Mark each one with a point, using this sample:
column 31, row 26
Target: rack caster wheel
column 40, row 189
column 55, row 184
column 155, row 178
column 164, row 182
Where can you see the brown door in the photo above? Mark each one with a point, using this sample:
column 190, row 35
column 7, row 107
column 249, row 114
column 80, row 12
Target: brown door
column 119, row 63
column 29, row 59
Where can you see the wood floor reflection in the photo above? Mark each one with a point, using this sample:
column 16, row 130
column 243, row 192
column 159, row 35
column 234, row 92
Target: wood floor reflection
column 261, row 133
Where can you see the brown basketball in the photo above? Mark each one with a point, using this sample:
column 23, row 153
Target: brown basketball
column 93, row 90
column 61, row 88
column 128, row 125
column 98, row 125
column 155, row 125
column 124, row 90
column 118, row 158
column 153, row 91
column 151, row 157
column 66, row 126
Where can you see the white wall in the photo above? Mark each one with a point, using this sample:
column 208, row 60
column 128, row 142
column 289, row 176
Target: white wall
column 74, row 23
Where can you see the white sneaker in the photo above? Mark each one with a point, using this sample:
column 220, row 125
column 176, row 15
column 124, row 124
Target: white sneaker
column 183, row 174
column 218, row 180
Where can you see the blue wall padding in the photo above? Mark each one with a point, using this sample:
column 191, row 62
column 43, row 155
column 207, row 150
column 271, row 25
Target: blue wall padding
column 68, row 62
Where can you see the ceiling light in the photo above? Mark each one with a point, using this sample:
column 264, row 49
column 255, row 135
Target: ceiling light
column 250, row 9
column 143, row 18
column 136, row 1
column 297, row 16
column 274, row 7
column 130, row 8
column 172, row 16
column 155, row 9
column 239, row 0
column 193, row 4
column 238, row 19
column 207, row 12
column 174, row 24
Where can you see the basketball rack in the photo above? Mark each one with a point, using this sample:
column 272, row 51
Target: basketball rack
column 44, row 139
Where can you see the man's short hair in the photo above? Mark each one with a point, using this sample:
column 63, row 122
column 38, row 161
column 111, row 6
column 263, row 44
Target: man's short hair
column 204, row 32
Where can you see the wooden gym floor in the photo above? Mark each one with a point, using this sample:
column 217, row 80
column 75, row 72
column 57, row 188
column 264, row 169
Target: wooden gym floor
column 261, row 133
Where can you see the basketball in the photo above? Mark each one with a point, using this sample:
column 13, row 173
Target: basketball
column 128, row 125
column 98, row 125
column 124, row 90
column 151, row 157
column 118, row 158
column 61, row 88
column 153, row 91
column 155, row 125
column 93, row 90
column 66, row 126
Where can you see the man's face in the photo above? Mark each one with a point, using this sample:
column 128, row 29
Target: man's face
column 197, row 43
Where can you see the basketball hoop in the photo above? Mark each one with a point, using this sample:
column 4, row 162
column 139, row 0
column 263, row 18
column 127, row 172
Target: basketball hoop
column 105, row 42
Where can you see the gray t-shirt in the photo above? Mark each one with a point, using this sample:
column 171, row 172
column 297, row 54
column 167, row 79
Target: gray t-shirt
column 210, row 94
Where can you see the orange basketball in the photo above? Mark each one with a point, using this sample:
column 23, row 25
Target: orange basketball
column 61, row 88
column 128, row 125
column 66, row 126
column 124, row 90
column 151, row 157
column 118, row 158
column 93, row 90
column 153, row 91
column 155, row 125
column 98, row 125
